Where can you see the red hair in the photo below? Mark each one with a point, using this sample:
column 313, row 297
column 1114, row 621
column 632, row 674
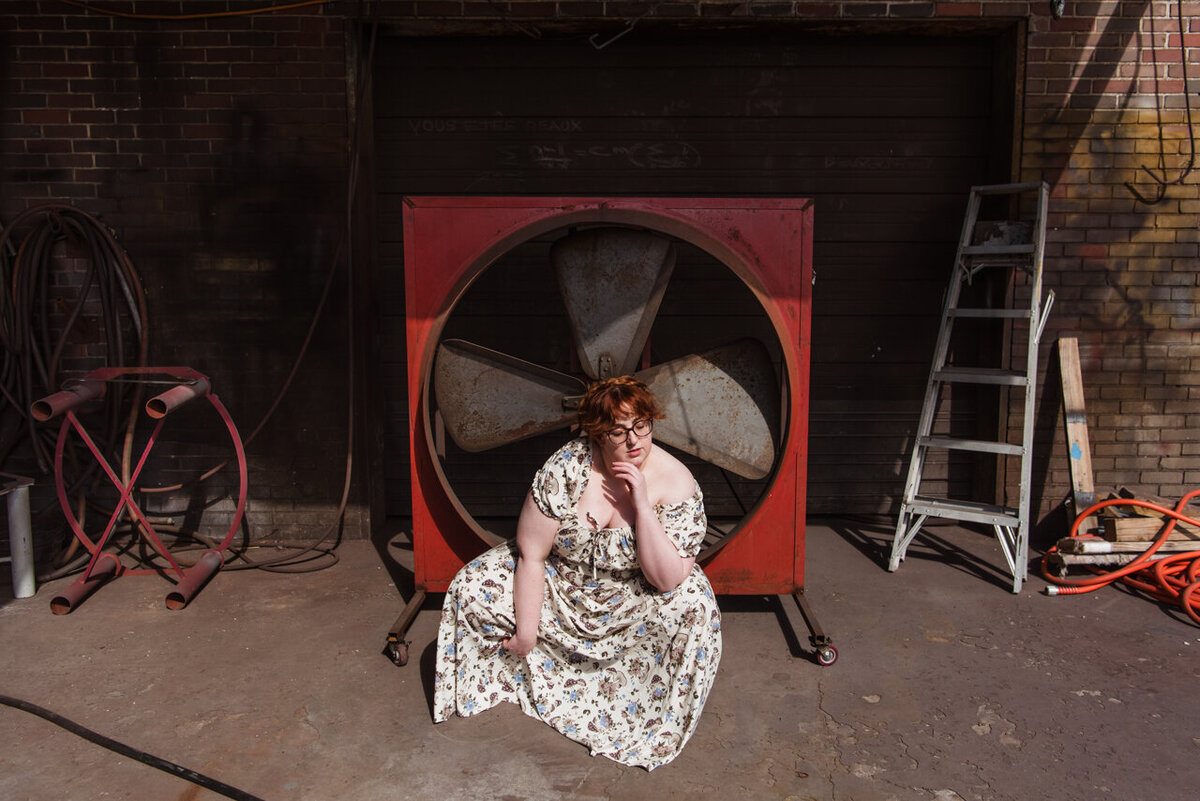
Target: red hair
column 605, row 400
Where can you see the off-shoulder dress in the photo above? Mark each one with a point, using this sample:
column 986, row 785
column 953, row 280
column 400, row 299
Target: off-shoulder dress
column 619, row 666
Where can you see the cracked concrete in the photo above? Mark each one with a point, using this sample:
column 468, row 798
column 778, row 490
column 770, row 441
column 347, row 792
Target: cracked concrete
column 948, row 688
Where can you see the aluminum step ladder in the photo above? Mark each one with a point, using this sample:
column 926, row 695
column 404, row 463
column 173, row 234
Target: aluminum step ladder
column 984, row 245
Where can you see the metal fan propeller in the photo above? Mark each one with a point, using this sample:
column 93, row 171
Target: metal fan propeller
column 722, row 406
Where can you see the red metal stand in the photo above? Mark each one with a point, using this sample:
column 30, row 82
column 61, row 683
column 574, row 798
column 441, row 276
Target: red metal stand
column 104, row 566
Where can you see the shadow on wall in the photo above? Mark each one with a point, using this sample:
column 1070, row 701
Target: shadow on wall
column 237, row 282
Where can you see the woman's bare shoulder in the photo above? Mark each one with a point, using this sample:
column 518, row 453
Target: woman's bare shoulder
column 673, row 481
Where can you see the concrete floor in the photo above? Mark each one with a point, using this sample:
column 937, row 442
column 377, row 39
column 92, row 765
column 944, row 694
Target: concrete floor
column 948, row 687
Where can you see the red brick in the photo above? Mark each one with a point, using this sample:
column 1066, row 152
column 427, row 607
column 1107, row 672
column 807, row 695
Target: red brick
column 959, row 9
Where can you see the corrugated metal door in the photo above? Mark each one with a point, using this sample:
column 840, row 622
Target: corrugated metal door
column 886, row 133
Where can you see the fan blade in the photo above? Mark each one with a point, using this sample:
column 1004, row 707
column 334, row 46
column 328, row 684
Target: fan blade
column 722, row 406
column 612, row 282
column 489, row 399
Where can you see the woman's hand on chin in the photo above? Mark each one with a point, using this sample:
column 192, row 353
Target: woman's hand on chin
column 635, row 482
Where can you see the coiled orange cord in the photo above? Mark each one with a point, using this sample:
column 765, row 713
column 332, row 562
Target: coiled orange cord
column 1173, row 580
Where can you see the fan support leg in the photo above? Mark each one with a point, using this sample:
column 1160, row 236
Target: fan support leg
column 397, row 648
column 820, row 641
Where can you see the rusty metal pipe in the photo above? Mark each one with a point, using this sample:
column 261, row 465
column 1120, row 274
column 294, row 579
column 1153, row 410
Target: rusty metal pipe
column 194, row 579
column 77, row 394
column 105, row 568
column 160, row 406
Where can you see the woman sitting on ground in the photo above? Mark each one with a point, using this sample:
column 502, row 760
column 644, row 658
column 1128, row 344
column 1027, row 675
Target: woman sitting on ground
column 597, row 619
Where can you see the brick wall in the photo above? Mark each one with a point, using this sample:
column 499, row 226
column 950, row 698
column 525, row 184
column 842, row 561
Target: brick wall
column 216, row 151
column 1105, row 108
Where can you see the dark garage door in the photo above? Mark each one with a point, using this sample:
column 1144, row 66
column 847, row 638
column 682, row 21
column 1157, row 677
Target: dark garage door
column 886, row 133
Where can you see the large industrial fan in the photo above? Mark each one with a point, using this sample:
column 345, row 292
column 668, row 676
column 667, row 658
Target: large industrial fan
column 735, row 406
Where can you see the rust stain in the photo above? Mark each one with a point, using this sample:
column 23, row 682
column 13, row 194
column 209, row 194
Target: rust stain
column 190, row 794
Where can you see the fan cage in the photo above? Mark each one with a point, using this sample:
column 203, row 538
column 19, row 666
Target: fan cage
column 514, row 306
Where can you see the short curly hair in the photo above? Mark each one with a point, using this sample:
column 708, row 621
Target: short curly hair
column 604, row 400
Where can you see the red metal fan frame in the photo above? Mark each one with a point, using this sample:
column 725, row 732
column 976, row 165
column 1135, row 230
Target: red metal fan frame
column 767, row 242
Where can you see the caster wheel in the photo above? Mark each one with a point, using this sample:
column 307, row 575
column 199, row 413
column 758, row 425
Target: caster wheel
column 827, row 656
column 398, row 652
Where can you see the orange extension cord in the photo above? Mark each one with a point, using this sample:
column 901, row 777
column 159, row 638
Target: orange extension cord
column 1172, row 580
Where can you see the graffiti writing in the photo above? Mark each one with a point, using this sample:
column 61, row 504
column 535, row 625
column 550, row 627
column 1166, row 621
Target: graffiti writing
column 459, row 125
column 567, row 156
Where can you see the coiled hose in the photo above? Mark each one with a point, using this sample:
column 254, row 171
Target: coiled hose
column 41, row 318
column 34, row 332
column 1172, row 580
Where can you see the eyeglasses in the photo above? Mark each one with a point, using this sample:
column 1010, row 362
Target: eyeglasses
column 641, row 427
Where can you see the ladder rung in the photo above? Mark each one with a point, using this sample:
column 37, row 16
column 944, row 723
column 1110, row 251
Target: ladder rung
column 977, row 445
column 998, row 250
column 1008, row 314
column 972, row 511
column 981, row 375
column 1006, row 189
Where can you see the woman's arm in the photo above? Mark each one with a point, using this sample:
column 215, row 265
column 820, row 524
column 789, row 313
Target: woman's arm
column 535, row 536
column 661, row 563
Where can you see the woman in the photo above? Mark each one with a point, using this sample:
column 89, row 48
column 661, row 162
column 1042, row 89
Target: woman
column 597, row 620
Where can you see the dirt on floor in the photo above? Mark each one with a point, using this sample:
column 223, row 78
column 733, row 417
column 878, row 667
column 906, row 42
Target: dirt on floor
column 948, row 686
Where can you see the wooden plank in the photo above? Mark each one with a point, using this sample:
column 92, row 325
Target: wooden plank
column 1079, row 449
column 1132, row 529
column 1095, row 545
column 1059, row 563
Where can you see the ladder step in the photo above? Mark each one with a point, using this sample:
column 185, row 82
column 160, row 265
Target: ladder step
column 971, row 511
column 977, row 445
column 995, row 314
column 1006, row 189
column 999, row 250
column 981, row 375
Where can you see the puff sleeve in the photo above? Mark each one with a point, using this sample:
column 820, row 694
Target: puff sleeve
column 559, row 482
column 685, row 523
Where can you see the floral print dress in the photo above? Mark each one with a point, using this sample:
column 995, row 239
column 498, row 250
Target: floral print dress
column 619, row 666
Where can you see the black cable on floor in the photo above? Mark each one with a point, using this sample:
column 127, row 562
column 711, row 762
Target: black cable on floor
column 125, row 750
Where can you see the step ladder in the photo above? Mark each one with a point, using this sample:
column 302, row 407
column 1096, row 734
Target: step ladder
column 984, row 245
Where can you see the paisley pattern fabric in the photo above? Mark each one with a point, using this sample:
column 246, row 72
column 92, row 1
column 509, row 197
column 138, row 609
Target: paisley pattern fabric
column 619, row 666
